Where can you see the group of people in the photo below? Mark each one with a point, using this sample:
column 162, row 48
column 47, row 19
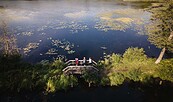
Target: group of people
column 84, row 61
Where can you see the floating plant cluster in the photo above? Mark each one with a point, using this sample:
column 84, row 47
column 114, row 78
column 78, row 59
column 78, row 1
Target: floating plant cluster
column 30, row 47
column 27, row 33
column 24, row 30
column 52, row 51
column 60, row 45
column 122, row 20
column 73, row 26
column 103, row 25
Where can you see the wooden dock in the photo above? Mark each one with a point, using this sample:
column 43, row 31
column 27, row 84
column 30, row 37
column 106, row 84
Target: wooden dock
column 81, row 68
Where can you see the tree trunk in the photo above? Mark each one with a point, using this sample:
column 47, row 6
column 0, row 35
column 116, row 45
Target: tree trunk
column 164, row 49
column 89, row 84
column 160, row 56
column 170, row 36
column 71, row 84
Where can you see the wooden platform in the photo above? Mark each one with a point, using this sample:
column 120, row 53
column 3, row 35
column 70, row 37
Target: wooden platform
column 81, row 68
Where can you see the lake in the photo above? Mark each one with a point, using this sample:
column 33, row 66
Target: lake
column 67, row 29
column 46, row 30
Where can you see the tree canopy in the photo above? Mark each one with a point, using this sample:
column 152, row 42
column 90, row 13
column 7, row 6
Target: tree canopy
column 160, row 30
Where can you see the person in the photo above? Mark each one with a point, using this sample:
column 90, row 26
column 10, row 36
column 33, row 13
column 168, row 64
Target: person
column 84, row 60
column 76, row 61
column 90, row 61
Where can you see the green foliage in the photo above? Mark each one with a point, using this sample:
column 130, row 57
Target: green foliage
column 17, row 80
column 165, row 70
column 50, row 86
column 58, row 64
column 90, row 77
column 134, row 55
column 48, row 76
column 116, row 78
column 161, row 24
column 63, row 82
column 133, row 65
column 104, row 81
column 44, row 75
column 133, row 74
column 115, row 59
column 60, row 82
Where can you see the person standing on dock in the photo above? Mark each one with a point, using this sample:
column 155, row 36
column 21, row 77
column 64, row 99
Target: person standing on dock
column 90, row 61
column 84, row 61
column 76, row 61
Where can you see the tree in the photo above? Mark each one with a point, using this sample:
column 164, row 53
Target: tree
column 90, row 77
column 160, row 31
column 116, row 78
column 8, row 41
column 165, row 70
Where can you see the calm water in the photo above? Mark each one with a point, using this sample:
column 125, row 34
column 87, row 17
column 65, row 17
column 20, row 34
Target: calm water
column 69, row 29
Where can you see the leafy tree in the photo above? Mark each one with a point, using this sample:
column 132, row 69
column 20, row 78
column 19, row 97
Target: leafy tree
column 160, row 30
column 7, row 41
column 50, row 86
column 134, row 55
column 73, row 80
column 90, row 77
column 133, row 74
column 104, row 80
column 165, row 70
column 116, row 78
column 58, row 64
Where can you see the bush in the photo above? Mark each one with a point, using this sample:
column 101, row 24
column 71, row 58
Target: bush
column 116, row 79
column 165, row 70
column 133, row 65
column 134, row 55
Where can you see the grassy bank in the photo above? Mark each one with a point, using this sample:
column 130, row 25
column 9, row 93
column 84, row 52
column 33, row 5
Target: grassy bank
column 134, row 65
column 115, row 69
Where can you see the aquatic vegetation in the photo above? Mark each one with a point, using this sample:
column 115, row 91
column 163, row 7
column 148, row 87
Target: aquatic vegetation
column 63, row 44
column 30, row 47
column 52, row 51
column 75, row 15
column 24, row 30
column 61, row 57
column 27, row 33
column 73, row 26
column 71, row 52
column 121, row 19
column 125, row 20
column 42, row 28
column 103, row 47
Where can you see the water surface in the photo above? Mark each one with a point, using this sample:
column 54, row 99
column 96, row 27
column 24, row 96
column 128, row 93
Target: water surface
column 69, row 29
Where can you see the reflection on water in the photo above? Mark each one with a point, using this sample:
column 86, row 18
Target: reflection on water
column 90, row 28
